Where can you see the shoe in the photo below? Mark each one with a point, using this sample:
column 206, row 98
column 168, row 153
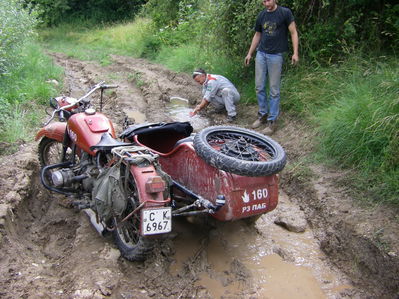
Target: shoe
column 257, row 123
column 270, row 128
column 231, row 119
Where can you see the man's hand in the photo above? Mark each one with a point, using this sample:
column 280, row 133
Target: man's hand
column 195, row 111
column 252, row 48
column 248, row 59
column 294, row 59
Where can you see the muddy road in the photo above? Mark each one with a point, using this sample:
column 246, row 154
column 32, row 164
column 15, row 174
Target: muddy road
column 316, row 244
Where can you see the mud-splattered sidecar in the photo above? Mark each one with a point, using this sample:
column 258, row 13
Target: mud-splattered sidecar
column 233, row 169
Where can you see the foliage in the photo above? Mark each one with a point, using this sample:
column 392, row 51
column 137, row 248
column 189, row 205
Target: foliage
column 162, row 12
column 16, row 27
column 32, row 82
column 307, row 89
column 23, row 72
column 53, row 12
column 360, row 128
column 328, row 29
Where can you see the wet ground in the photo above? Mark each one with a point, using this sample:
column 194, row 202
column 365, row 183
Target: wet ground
column 300, row 250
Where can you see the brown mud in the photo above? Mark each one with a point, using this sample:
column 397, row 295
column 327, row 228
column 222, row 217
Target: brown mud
column 318, row 243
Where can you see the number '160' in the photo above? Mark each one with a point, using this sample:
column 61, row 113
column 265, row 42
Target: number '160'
column 259, row 194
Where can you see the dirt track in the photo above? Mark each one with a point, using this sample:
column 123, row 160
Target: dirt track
column 49, row 250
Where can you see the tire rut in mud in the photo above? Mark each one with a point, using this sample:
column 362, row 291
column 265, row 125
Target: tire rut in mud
column 36, row 233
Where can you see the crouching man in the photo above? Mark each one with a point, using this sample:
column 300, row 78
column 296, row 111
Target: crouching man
column 218, row 91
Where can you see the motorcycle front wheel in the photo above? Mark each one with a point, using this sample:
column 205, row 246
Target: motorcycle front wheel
column 50, row 152
column 239, row 151
column 132, row 245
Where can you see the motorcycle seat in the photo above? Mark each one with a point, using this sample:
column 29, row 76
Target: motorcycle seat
column 107, row 142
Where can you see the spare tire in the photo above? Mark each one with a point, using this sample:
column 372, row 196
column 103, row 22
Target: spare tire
column 239, row 151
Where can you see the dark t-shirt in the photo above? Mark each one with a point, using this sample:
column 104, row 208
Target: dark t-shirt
column 274, row 28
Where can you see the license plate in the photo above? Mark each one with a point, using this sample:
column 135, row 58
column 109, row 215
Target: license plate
column 156, row 221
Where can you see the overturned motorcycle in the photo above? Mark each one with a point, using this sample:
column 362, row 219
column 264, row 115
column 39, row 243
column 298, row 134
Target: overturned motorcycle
column 134, row 187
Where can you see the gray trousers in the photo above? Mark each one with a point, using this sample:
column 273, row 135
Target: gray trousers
column 226, row 98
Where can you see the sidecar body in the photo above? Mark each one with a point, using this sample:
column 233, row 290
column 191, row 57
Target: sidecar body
column 245, row 196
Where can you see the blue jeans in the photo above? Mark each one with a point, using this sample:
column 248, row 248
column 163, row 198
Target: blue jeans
column 268, row 65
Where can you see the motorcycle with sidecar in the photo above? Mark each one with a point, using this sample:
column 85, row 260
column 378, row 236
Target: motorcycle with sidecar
column 133, row 186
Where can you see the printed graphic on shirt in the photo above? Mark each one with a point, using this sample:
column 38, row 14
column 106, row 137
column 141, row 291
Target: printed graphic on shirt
column 270, row 28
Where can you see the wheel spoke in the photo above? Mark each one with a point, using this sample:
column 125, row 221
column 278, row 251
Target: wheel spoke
column 240, row 146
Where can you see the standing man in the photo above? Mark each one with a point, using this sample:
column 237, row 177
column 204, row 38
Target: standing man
column 218, row 91
column 271, row 41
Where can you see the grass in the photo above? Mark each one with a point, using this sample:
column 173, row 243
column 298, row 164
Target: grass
column 359, row 129
column 97, row 43
column 184, row 58
column 21, row 91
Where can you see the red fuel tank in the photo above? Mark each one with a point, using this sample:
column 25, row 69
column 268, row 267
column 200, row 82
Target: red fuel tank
column 86, row 129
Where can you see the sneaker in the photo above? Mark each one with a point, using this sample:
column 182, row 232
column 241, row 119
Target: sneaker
column 270, row 128
column 231, row 119
column 257, row 123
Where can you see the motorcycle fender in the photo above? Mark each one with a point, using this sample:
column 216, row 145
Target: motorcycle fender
column 54, row 131
column 142, row 175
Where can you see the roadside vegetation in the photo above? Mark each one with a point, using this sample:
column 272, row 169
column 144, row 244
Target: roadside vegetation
column 25, row 76
column 345, row 87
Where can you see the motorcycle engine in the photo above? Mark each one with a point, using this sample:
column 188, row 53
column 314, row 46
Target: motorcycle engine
column 83, row 174
column 62, row 177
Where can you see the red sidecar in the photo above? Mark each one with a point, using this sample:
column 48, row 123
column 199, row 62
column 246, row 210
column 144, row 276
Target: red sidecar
column 233, row 168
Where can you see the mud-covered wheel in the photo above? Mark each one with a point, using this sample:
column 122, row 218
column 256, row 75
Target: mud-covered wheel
column 239, row 151
column 131, row 244
column 50, row 151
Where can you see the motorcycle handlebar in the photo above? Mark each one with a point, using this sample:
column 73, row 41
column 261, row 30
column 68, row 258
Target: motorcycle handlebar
column 60, row 110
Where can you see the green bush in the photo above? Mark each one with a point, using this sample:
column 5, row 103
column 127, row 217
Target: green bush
column 17, row 26
column 163, row 12
column 54, row 12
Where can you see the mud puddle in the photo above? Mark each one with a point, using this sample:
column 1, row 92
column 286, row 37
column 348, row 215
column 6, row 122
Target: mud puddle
column 259, row 260
column 135, row 116
column 179, row 109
